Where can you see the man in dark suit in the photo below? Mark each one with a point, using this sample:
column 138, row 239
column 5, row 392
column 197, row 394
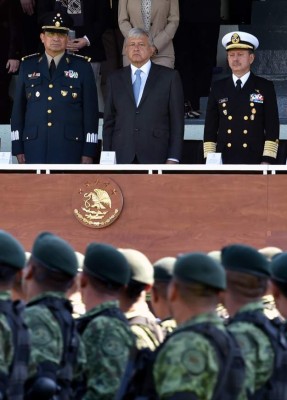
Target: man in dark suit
column 143, row 120
column 242, row 119
column 55, row 112
column 10, row 33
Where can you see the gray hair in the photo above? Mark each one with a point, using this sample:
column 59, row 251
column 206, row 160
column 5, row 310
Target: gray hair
column 139, row 32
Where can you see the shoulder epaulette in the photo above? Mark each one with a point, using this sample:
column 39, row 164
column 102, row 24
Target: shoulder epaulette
column 30, row 56
column 88, row 59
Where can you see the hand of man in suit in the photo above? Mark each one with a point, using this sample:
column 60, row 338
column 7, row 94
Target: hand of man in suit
column 21, row 158
column 28, row 6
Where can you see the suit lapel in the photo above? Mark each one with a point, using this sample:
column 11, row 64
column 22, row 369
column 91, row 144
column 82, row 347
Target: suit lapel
column 126, row 76
column 150, row 82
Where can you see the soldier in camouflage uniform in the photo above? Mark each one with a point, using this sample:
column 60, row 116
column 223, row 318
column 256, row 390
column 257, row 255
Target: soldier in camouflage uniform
column 133, row 301
column 49, row 273
column 187, row 364
column 105, row 331
column 12, row 261
column 247, row 278
column 163, row 269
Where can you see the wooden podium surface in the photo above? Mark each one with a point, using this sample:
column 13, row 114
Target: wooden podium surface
column 163, row 215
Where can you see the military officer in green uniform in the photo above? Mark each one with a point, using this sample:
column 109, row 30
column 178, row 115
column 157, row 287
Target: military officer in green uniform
column 187, row 365
column 57, row 356
column 12, row 261
column 106, row 334
column 55, row 111
column 242, row 120
column 247, row 278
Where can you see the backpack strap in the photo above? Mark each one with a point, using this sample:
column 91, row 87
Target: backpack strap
column 151, row 328
column 18, row 371
column 62, row 311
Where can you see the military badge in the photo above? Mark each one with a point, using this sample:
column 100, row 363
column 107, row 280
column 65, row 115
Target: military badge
column 97, row 203
column 256, row 98
column 64, row 93
column 225, row 112
column 221, row 101
column 71, row 74
column 74, row 95
column 235, row 38
column 34, row 75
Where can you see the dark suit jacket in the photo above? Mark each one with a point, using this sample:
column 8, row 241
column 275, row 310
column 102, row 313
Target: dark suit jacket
column 96, row 18
column 154, row 130
column 239, row 124
column 53, row 119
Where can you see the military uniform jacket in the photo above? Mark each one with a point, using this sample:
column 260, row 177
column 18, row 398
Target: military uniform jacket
column 55, row 120
column 244, row 125
column 188, row 362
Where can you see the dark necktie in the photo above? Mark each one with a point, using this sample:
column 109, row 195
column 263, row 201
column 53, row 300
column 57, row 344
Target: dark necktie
column 52, row 67
column 238, row 85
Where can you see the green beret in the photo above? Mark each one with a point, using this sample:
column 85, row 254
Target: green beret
column 140, row 265
column 107, row 263
column 200, row 268
column 246, row 259
column 278, row 267
column 55, row 253
column 11, row 251
column 163, row 269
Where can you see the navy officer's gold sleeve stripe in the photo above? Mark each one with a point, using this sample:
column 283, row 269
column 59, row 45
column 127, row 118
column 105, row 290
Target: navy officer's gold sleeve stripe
column 270, row 149
column 209, row 147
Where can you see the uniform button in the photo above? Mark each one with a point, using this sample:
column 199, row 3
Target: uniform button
column 49, row 123
column 230, row 117
column 245, row 117
column 229, row 130
column 228, row 144
column 51, row 85
column 50, row 98
column 136, row 129
column 77, row 138
column 245, row 145
column 251, row 104
column 49, row 111
column 245, row 131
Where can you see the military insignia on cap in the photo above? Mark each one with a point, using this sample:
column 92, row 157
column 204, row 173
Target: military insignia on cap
column 235, row 38
column 97, row 203
column 194, row 361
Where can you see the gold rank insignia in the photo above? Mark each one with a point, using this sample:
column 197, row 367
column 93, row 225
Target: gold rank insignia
column 98, row 202
column 64, row 92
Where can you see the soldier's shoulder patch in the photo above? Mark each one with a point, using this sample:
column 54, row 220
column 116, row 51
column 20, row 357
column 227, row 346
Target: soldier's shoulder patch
column 194, row 361
column 30, row 56
column 85, row 58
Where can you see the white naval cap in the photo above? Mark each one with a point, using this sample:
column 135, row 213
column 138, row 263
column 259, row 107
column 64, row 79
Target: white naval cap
column 240, row 40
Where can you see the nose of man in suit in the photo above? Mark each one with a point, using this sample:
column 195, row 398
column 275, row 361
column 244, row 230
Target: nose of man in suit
column 139, row 50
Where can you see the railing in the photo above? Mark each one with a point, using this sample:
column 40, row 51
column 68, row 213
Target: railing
column 142, row 168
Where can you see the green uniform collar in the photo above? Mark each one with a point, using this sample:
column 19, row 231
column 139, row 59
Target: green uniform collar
column 253, row 306
column 210, row 316
column 103, row 306
column 60, row 295
column 5, row 295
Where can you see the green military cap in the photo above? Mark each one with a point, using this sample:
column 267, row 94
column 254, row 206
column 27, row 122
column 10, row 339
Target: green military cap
column 55, row 253
column 200, row 268
column 107, row 263
column 278, row 268
column 140, row 265
column 11, row 251
column 163, row 269
column 246, row 259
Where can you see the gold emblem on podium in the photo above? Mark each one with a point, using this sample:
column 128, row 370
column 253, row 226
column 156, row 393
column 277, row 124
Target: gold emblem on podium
column 98, row 202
